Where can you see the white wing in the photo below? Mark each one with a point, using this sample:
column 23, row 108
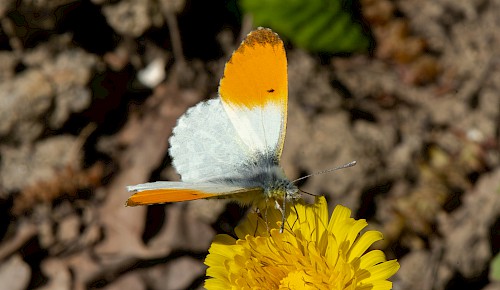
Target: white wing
column 204, row 144
column 228, row 137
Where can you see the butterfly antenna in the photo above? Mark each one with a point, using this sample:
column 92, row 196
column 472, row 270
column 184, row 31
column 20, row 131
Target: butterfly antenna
column 350, row 164
column 308, row 193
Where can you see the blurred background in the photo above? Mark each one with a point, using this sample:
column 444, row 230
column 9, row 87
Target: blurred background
column 90, row 91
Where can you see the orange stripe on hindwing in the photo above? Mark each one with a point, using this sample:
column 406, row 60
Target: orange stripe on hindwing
column 166, row 195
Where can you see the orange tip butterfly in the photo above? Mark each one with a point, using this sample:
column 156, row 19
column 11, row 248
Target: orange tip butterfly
column 230, row 147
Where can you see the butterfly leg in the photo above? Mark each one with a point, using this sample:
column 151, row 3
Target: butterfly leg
column 283, row 213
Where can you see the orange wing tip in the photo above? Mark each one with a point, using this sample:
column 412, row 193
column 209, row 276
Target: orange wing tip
column 256, row 73
column 158, row 196
column 131, row 202
column 262, row 36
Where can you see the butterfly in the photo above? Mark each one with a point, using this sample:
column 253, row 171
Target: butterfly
column 230, row 147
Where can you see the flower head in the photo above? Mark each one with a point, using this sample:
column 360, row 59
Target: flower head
column 314, row 252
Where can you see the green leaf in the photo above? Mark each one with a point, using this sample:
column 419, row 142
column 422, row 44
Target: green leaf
column 315, row 25
column 495, row 269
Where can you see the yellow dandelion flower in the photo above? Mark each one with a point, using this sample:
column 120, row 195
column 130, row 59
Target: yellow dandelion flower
column 314, row 252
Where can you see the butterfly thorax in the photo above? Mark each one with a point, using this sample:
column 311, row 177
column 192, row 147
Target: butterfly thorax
column 266, row 174
column 274, row 183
